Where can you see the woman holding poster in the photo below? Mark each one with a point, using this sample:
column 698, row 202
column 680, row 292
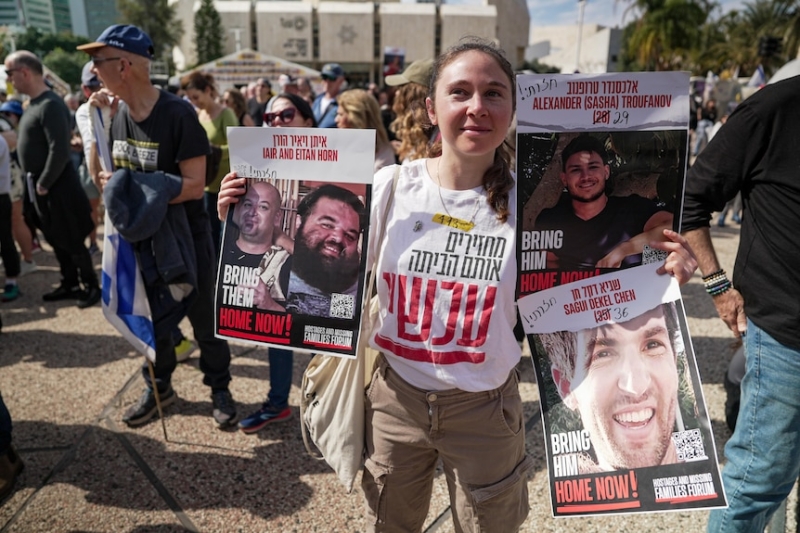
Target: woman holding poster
column 288, row 111
column 446, row 385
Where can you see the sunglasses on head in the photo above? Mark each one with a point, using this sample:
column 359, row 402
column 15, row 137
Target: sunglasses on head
column 287, row 115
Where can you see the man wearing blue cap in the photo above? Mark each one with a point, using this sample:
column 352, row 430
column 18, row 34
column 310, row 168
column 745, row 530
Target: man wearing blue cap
column 154, row 130
column 325, row 105
column 90, row 84
column 54, row 200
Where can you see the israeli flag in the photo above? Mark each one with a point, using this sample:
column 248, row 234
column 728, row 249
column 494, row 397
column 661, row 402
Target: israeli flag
column 758, row 78
column 125, row 303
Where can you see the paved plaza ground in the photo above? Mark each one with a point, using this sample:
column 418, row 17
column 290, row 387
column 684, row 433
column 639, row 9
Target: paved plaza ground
column 67, row 376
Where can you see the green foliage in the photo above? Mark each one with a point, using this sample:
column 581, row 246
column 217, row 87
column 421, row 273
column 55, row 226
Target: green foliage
column 42, row 43
column 208, row 32
column 693, row 35
column 157, row 19
column 540, row 68
column 67, row 64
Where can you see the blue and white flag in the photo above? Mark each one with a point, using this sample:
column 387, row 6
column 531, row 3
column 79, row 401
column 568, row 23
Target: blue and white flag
column 758, row 78
column 125, row 303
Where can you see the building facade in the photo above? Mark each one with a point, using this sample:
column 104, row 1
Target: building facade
column 355, row 34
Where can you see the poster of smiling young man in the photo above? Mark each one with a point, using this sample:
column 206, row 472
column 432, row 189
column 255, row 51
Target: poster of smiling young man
column 291, row 270
column 601, row 161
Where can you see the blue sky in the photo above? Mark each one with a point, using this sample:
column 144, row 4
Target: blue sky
column 605, row 12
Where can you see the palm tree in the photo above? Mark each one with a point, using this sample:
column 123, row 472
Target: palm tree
column 665, row 32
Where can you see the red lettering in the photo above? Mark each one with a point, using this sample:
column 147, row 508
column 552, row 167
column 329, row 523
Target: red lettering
column 486, row 315
column 456, row 290
column 413, row 310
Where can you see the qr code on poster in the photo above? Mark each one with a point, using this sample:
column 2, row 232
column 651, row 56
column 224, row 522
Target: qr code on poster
column 342, row 305
column 689, row 445
column 652, row 255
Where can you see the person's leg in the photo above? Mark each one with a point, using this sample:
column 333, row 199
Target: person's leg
column 215, row 354
column 8, row 250
column 280, row 377
column 276, row 408
column 5, row 428
column 210, row 201
column 10, row 461
column 22, row 233
column 401, row 461
column 700, row 135
column 763, row 454
column 69, row 272
column 481, row 440
column 146, row 407
column 164, row 365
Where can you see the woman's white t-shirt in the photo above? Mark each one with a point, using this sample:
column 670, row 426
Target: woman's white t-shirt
column 447, row 295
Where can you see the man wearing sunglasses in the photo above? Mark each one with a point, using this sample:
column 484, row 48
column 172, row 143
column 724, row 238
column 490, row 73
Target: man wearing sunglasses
column 54, row 198
column 152, row 131
column 325, row 105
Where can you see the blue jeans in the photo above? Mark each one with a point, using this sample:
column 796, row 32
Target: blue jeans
column 5, row 428
column 701, row 134
column 280, row 377
column 764, row 452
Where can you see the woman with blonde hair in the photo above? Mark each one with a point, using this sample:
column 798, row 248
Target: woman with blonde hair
column 358, row 109
column 411, row 124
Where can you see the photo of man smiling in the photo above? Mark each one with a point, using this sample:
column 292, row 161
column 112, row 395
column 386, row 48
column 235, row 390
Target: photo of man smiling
column 623, row 380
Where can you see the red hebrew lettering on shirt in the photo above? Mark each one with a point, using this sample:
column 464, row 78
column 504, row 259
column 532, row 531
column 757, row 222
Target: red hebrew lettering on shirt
column 415, row 298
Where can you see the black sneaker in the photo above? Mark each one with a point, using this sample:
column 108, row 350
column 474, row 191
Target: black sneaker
column 90, row 297
column 146, row 408
column 224, row 409
column 63, row 293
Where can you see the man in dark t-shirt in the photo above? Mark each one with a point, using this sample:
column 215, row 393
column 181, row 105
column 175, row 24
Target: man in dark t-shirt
column 155, row 130
column 599, row 231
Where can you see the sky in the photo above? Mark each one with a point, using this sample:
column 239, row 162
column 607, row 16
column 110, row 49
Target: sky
column 608, row 13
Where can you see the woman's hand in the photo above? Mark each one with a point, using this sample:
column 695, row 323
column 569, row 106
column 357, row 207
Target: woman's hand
column 681, row 261
column 230, row 189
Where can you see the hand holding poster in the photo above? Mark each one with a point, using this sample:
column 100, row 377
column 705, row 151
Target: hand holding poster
column 291, row 267
column 601, row 164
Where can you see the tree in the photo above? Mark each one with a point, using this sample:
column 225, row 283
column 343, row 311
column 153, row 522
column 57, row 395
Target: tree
column 157, row 19
column 67, row 64
column 208, row 32
column 40, row 43
column 665, row 33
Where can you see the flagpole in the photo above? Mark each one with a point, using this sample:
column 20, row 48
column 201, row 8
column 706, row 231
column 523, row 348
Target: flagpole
column 158, row 397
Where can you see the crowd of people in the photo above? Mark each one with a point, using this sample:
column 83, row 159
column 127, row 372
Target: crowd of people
column 448, row 119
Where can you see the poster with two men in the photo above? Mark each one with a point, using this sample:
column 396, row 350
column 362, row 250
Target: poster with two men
column 292, row 261
column 601, row 161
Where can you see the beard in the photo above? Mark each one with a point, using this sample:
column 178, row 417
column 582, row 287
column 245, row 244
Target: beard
column 328, row 274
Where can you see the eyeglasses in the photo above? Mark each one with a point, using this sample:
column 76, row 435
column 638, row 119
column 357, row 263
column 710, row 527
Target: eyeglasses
column 98, row 60
column 10, row 71
column 285, row 116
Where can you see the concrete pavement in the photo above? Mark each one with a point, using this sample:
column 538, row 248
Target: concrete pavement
column 67, row 376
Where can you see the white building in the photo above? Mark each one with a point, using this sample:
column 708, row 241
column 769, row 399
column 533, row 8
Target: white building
column 600, row 48
column 355, row 34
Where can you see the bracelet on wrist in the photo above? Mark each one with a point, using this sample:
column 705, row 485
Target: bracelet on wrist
column 717, row 283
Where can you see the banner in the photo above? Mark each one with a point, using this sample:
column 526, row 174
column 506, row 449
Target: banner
column 293, row 256
column 601, row 163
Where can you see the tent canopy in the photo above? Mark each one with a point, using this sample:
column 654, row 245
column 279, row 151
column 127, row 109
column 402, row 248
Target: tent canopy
column 242, row 67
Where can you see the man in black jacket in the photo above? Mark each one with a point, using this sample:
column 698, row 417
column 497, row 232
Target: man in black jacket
column 54, row 197
column 756, row 153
